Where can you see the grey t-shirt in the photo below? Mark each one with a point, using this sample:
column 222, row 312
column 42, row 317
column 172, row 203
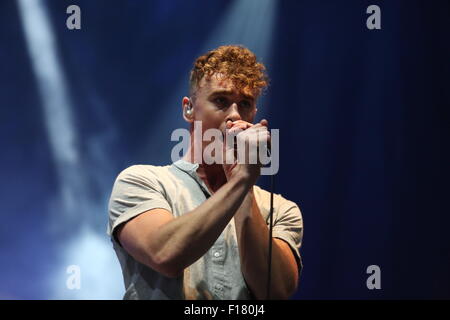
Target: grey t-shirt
column 178, row 189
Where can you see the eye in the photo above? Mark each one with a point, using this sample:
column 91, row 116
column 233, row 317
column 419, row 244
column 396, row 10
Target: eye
column 221, row 102
column 246, row 104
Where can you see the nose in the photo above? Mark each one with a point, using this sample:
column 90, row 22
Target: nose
column 233, row 113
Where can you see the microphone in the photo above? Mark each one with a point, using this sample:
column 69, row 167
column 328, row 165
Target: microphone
column 269, row 144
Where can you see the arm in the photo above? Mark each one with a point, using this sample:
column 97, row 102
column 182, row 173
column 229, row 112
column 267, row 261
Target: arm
column 253, row 234
column 253, row 239
column 167, row 244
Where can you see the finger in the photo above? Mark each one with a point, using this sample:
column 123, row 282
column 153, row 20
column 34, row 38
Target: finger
column 257, row 128
column 237, row 128
column 257, row 135
column 239, row 123
column 264, row 122
column 242, row 122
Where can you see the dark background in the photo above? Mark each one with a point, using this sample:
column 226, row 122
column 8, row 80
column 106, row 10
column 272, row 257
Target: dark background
column 363, row 118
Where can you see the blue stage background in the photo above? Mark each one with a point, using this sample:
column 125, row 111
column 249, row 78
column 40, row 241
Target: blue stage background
column 363, row 118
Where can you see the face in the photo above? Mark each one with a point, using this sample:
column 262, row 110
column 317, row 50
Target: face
column 217, row 100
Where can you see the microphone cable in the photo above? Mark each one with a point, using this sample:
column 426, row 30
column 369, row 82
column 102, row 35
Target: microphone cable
column 269, row 260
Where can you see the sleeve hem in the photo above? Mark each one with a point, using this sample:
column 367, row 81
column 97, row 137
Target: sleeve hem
column 291, row 243
column 137, row 210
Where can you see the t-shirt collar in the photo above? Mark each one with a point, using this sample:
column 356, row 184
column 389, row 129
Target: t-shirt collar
column 191, row 169
column 185, row 166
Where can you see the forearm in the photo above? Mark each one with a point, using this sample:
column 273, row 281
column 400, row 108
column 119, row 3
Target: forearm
column 183, row 240
column 253, row 239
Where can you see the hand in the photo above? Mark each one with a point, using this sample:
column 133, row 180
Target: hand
column 251, row 136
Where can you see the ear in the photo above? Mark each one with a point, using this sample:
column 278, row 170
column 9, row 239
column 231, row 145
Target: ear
column 184, row 105
column 254, row 113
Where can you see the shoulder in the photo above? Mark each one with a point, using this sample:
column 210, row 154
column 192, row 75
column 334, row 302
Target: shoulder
column 144, row 178
column 143, row 173
column 263, row 199
column 142, row 169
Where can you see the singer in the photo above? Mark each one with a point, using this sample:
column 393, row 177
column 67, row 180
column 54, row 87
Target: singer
column 192, row 230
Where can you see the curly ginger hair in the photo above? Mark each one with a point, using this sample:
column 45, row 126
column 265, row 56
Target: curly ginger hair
column 235, row 63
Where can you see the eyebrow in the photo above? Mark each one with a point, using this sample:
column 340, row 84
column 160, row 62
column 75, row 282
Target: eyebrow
column 229, row 93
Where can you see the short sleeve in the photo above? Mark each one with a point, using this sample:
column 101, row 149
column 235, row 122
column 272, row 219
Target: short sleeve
column 288, row 226
column 135, row 191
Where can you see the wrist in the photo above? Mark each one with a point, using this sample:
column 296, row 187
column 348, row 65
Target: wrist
column 242, row 177
column 246, row 209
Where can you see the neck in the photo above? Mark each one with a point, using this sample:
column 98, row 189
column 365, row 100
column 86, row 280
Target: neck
column 212, row 174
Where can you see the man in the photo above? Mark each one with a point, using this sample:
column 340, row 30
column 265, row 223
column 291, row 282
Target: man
column 196, row 231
